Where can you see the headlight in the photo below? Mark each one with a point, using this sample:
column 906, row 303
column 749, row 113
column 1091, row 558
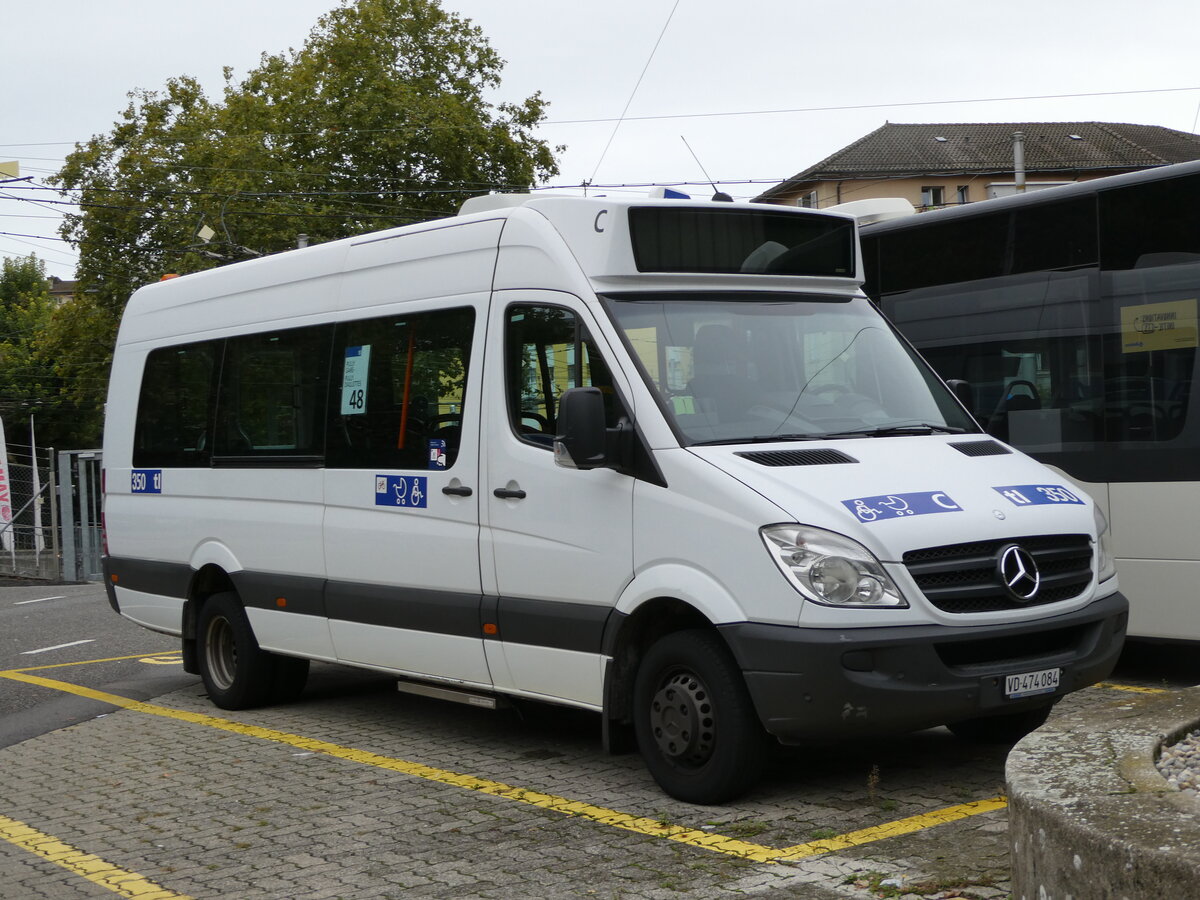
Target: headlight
column 829, row 568
column 1105, row 564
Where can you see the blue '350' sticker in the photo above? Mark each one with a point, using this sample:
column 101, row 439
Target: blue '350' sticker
column 1037, row 494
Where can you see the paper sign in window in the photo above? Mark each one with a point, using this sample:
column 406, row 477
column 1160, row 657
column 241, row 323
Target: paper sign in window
column 1159, row 326
column 354, row 380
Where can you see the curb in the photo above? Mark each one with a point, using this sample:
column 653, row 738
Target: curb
column 1090, row 816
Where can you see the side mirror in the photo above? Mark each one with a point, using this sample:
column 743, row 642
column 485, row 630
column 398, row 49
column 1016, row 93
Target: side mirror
column 582, row 439
column 962, row 390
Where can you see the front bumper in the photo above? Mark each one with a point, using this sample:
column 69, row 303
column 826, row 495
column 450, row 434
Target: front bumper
column 819, row 683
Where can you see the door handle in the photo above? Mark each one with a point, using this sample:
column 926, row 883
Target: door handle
column 457, row 490
column 509, row 493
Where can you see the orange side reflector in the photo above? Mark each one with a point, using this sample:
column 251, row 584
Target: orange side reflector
column 281, row 602
column 115, row 578
column 490, row 628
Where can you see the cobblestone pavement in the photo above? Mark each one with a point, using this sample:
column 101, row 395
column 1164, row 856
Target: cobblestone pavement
column 204, row 812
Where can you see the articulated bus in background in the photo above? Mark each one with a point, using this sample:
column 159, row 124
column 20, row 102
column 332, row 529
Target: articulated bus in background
column 1072, row 315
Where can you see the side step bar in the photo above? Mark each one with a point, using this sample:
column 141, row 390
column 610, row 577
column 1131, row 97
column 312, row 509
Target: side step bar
column 454, row 695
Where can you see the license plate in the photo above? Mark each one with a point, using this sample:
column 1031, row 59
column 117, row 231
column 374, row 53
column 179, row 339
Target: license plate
column 1030, row 684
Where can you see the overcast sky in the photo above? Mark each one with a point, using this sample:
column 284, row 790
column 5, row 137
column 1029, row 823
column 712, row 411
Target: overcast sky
column 760, row 89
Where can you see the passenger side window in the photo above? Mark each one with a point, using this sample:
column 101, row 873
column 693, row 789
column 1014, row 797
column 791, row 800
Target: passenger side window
column 399, row 386
column 174, row 417
column 547, row 351
column 272, row 391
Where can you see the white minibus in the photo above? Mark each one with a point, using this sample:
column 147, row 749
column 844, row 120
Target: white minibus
column 658, row 459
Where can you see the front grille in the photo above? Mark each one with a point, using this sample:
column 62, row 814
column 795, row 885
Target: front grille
column 963, row 578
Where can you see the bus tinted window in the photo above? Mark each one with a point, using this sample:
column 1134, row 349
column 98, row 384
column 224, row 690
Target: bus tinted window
column 1054, row 236
column 1082, row 347
column 398, row 389
column 174, row 417
column 1152, row 224
column 272, row 394
column 959, row 250
column 741, row 241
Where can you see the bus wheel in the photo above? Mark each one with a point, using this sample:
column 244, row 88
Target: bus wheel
column 1005, row 729
column 696, row 725
column 236, row 673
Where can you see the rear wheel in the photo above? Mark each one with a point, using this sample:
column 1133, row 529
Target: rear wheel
column 1005, row 729
column 696, row 725
column 236, row 673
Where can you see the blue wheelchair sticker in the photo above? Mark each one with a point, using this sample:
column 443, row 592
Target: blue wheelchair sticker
column 899, row 506
column 145, row 481
column 406, row 491
column 1038, row 495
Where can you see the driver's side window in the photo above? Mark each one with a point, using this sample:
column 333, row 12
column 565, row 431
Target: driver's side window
column 548, row 350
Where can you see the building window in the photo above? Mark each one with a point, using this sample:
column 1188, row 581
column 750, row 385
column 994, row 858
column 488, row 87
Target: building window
column 808, row 201
column 933, row 196
column 962, row 193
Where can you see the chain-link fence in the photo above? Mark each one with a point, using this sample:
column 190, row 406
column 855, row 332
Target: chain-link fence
column 29, row 544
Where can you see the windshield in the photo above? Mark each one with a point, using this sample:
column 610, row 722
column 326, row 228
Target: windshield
column 732, row 368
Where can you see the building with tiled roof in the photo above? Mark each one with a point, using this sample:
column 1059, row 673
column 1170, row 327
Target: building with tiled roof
column 953, row 163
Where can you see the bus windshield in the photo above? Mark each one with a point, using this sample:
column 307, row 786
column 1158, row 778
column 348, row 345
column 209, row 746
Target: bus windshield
column 742, row 367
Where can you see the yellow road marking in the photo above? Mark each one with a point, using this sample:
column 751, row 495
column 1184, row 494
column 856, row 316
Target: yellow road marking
column 88, row 662
column 891, row 829
column 1129, row 687
column 161, row 660
column 93, row 868
column 639, row 824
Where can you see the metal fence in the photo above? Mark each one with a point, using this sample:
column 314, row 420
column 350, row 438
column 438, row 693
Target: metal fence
column 80, row 501
column 29, row 544
column 55, row 532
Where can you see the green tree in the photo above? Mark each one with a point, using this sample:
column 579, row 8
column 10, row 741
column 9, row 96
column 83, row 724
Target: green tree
column 27, row 382
column 381, row 118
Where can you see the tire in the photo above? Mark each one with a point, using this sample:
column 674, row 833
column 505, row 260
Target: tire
column 1005, row 729
column 236, row 673
column 696, row 725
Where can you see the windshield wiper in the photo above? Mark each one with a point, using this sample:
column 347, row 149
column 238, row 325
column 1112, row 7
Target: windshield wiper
column 761, row 439
column 891, row 430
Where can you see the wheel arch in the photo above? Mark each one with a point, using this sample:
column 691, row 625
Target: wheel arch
column 659, row 601
column 207, row 580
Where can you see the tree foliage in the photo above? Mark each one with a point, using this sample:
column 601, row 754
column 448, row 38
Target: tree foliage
column 28, row 382
column 380, row 119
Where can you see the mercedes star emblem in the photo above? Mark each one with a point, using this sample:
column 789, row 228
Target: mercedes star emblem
column 1019, row 573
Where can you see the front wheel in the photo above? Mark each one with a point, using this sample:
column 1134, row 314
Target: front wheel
column 696, row 725
column 1004, row 729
